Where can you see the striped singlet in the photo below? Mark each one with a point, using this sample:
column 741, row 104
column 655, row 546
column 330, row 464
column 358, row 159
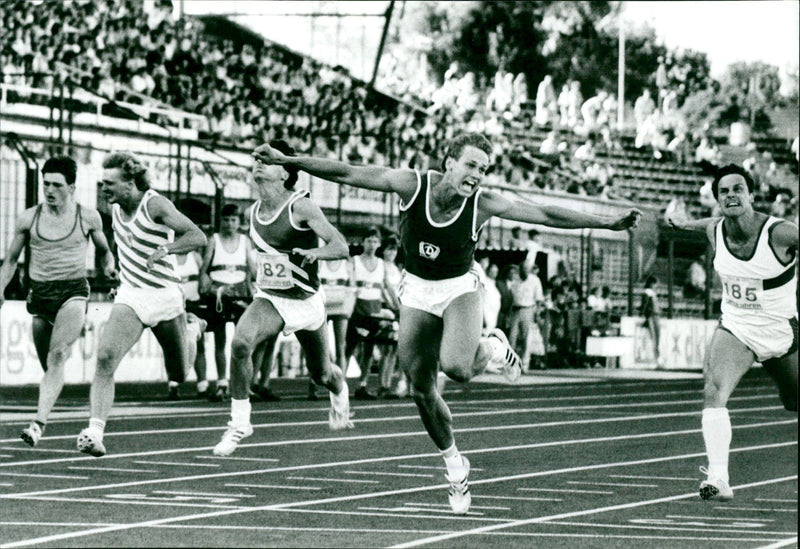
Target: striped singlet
column 136, row 240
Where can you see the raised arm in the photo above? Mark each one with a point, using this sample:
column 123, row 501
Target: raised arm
column 494, row 204
column 377, row 178
column 335, row 247
column 679, row 220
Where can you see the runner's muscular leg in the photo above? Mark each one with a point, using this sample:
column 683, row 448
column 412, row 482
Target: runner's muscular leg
column 120, row 333
column 783, row 371
column 460, row 347
column 727, row 360
column 171, row 335
column 41, row 331
column 418, row 342
column 66, row 329
column 259, row 321
column 315, row 346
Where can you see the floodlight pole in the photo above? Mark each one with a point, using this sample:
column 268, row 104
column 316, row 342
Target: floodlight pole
column 621, row 78
column 379, row 55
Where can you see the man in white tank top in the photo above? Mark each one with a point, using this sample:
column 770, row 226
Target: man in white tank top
column 225, row 284
column 56, row 234
column 756, row 258
column 148, row 228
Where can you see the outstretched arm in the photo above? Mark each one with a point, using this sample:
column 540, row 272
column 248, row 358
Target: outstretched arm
column 679, row 220
column 401, row 181
column 495, row 204
column 188, row 236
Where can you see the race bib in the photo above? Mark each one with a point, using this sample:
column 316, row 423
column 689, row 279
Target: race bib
column 743, row 293
column 274, row 272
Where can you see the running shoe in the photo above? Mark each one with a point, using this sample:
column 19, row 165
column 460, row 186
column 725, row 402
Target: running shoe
column 339, row 416
column 231, row 438
column 173, row 393
column 91, row 442
column 31, row 434
column 714, row 488
column 509, row 365
column 458, row 494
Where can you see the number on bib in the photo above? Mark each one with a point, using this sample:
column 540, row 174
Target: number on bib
column 742, row 292
column 274, row 272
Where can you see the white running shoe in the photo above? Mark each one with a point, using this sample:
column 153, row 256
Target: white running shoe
column 714, row 488
column 91, row 442
column 458, row 494
column 339, row 416
column 509, row 365
column 31, row 434
column 231, row 438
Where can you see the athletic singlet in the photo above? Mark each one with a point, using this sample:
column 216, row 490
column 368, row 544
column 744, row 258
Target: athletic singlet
column 61, row 258
column 328, row 276
column 228, row 267
column 189, row 272
column 278, row 270
column 436, row 251
column 136, row 240
column 369, row 283
column 759, row 289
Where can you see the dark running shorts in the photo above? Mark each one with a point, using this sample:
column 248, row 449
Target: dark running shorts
column 232, row 309
column 46, row 298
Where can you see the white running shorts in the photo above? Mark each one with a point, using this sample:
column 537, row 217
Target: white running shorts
column 297, row 314
column 434, row 296
column 152, row 305
column 772, row 340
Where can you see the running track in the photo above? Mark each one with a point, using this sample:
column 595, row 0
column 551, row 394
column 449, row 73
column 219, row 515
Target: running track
column 587, row 462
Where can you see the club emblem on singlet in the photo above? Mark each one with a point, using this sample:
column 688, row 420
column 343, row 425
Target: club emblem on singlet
column 428, row 250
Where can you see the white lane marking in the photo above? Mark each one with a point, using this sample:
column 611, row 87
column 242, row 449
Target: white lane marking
column 381, row 473
column 402, row 509
column 26, row 450
column 475, row 496
column 777, row 500
column 6, row 456
column 666, row 527
column 6, row 484
column 206, row 494
column 143, row 462
column 389, row 459
column 727, row 519
column 117, row 469
column 236, row 458
column 504, row 411
column 348, row 480
column 539, row 520
column 447, row 506
column 74, row 477
column 611, row 484
column 562, row 490
column 648, row 477
column 424, row 433
column 759, row 509
column 435, row 467
column 359, row 497
column 782, row 543
column 138, row 500
column 272, row 486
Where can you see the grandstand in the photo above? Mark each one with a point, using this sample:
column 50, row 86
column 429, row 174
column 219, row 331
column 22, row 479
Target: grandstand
column 194, row 95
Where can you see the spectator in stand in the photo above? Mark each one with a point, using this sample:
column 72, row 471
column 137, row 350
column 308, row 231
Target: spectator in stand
column 546, row 103
column 643, row 108
column 527, row 297
column 507, row 279
column 708, row 155
column 591, row 110
column 563, row 105
column 585, row 152
column 574, row 104
column 520, row 94
column 491, row 296
column 662, row 81
column 549, row 147
column 501, row 96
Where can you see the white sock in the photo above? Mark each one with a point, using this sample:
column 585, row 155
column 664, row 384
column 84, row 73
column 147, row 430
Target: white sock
column 222, row 383
column 172, row 384
column 453, row 462
column 717, row 434
column 341, row 400
column 240, row 411
column 202, row 385
column 97, row 425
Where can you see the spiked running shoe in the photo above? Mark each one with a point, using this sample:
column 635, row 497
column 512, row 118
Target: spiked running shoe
column 31, row 434
column 458, row 495
column 231, row 438
column 90, row 442
column 509, row 365
column 714, row 488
